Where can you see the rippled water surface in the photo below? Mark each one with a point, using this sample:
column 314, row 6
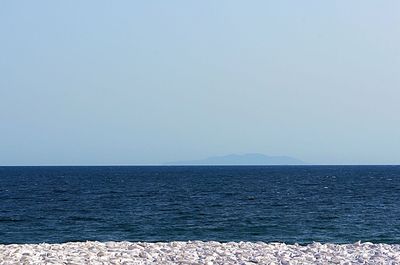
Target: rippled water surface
column 287, row 204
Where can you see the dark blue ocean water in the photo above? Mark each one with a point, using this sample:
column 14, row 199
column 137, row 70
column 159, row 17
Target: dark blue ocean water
column 287, row 204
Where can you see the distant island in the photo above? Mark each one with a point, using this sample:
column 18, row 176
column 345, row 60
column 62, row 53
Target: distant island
column 242, row 159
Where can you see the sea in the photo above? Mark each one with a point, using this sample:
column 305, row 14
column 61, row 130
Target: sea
column 291, row 204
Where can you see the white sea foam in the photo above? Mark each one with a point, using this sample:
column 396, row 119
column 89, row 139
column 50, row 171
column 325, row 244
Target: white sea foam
column 197, row 252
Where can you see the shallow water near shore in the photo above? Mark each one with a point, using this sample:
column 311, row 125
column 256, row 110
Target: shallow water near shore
column 291, row 204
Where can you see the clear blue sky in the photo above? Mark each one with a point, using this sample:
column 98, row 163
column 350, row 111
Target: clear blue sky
column 144, row 82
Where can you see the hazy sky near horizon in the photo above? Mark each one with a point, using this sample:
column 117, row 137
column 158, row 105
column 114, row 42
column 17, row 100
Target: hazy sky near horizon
column 146, row 82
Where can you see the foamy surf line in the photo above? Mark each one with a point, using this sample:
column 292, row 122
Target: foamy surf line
column 198, row 252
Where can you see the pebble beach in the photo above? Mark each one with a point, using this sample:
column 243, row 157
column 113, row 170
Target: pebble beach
column 198, row 252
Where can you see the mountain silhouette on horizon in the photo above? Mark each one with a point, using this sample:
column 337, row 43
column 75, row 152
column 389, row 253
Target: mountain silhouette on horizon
column 242, row 159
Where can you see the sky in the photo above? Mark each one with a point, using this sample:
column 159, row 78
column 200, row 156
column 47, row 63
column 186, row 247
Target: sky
column 100, row 82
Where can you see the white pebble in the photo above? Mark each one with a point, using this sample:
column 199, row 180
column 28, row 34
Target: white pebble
column 198, row 252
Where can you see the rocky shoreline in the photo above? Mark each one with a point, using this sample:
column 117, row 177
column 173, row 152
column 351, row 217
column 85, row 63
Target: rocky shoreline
column 198, row 252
